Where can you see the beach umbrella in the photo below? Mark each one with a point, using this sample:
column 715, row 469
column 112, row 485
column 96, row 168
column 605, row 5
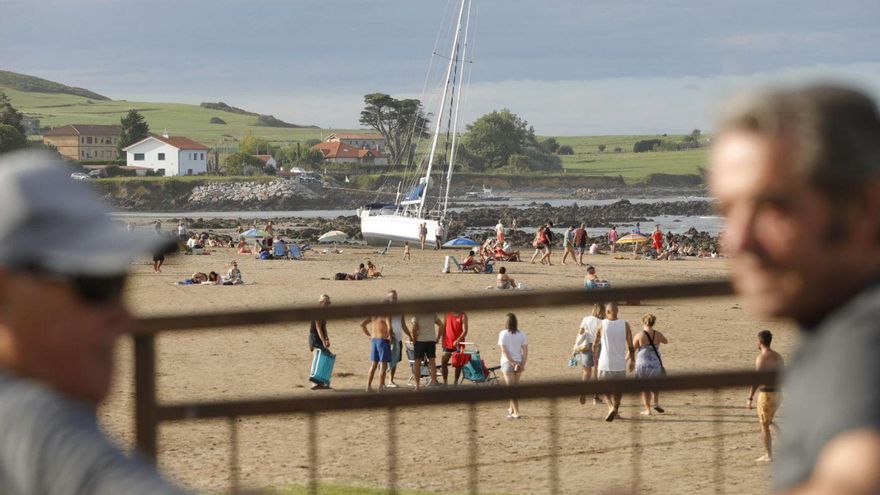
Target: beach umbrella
column 254, row 233
column 461, row 242
column 333, row 236
column 632, row 239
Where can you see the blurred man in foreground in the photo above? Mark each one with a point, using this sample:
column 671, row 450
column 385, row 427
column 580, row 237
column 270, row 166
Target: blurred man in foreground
column 797, row 176
column 62, row 271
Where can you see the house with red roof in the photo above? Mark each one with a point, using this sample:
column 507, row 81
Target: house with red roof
column 340, row 152
column 168, row 155
column 371, row 141
column 268, row 160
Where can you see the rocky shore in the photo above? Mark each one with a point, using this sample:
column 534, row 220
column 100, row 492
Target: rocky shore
column 478, row 222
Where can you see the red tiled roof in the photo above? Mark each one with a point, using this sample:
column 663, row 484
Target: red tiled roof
column 336, row 149
column 181, row 143
column 356, row 136
column 263, row 158
column 85, row 130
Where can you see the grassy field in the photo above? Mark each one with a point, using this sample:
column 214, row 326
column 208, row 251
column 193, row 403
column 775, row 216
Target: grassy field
column 193, row 121
column 632, row 166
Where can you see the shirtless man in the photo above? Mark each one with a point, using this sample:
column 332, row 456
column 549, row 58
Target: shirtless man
column 380, row 347
column 768, row 397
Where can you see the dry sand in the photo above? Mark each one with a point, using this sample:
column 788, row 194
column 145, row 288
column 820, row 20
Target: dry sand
column 678, row 448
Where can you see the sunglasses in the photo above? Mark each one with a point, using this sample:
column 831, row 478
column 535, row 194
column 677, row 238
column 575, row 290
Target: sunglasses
column 92, row 290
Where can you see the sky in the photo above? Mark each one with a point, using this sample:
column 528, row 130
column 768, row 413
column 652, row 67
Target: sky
column 568, row 67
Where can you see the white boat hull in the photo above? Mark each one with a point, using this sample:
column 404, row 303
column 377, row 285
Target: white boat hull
column 378, row 229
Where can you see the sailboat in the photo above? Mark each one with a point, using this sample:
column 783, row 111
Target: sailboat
column 401, row 221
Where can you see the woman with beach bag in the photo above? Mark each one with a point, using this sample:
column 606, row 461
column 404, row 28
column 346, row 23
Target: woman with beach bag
column 648, row 360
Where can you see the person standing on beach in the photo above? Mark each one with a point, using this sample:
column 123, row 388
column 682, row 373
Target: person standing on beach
column 380, row 347
column 580, row 243
column 785, row 163
column 455, row 331
column 657, row 240
column 514, row 354
column 499, row 232
column 612, row 239
column 439, row 236
column 406, row 255
column 270, row 230
column 548, row 241
column 318, row 336
column 181, row 232
column 568, row 245
column 62, row 312
column 538, row 243
column 398, row 329
column 614, row 338
column 769, row 398
column 582, row 351
column 648, row 360
column 423, row 235
column 425, row 338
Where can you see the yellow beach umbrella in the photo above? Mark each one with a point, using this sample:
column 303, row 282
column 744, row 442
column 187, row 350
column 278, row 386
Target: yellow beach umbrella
column 632, row 239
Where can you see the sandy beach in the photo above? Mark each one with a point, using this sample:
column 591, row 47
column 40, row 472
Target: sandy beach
column 678, row 447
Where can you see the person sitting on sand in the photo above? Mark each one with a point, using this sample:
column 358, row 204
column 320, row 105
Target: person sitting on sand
column 233, row 275
column 372, row 270
column 360, row 274
column 590, row 278
column 594, row 248
column 504, row 281
column 242, row 246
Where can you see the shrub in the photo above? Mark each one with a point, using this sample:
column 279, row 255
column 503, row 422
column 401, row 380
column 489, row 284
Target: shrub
column 217, row 120
column 565, row 150
column 646, row 145
column 601, row 148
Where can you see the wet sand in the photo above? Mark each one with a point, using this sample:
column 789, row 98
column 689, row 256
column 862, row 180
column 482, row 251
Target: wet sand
column 678, row 448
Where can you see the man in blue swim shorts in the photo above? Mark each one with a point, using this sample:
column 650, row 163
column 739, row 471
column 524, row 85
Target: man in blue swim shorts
column 379, row 332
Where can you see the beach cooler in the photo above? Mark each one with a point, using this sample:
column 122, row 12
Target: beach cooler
column 322, row 367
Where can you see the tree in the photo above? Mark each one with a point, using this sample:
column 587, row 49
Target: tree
column 134, row 128
column 601, row 148
column 253, row 145
column 496, row 136
column 9, row 115
column 11, row 139
column 236, row 163
column 565, row 150
column 550, row 145
column 398, row 121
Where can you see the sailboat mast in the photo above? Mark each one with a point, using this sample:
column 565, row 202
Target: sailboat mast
column 467, row 24
column 442, row 105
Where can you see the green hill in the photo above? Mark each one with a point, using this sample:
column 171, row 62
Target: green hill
column 31, row 84
column 55, row 107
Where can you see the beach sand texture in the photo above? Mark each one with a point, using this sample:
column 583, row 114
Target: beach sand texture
column 678, row 448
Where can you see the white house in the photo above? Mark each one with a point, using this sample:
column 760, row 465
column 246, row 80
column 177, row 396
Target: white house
column 168, row 155
column 267, row 160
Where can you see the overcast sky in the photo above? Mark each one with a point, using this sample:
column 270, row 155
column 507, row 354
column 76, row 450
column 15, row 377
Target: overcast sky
column 566, row 66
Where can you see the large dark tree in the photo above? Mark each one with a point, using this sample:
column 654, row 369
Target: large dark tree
column 11, row 139
column 8, row 114
column 400, row 122
column 496, row 136
column 134, row 128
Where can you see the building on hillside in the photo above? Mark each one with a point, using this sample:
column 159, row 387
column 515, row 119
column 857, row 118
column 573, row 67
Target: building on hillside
column 267, row 160
column 364, row 141
column 168, row 155
column 339, row 152
column 85, row 142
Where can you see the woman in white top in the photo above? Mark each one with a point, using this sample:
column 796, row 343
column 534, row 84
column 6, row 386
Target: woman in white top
column 514, row 353
column 582, row 351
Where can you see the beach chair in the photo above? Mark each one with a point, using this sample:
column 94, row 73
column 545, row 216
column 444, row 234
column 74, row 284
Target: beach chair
column 476, row 370
column 384, row 251
column 424, row 371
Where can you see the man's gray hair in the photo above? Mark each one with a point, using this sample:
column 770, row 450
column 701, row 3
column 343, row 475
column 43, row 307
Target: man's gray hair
column 832, row 132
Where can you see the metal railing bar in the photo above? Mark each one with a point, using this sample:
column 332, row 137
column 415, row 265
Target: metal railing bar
column 553, row 457
column 521, row 300
column 473, row 451
column 233, row 455
column 718, row 432
column 459, row 395
column 313, row 454
column 145, row 407
column 392, row 451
